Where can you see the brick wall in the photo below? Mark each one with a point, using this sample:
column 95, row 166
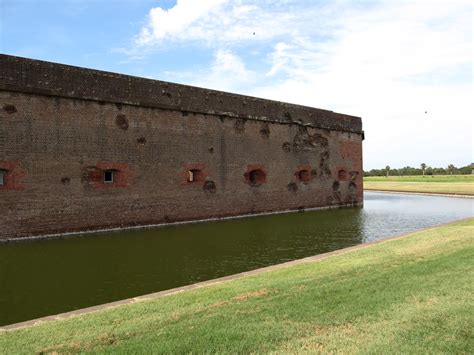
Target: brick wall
column 55, row 150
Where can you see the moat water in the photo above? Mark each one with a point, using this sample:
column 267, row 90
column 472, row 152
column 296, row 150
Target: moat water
column 44, row 277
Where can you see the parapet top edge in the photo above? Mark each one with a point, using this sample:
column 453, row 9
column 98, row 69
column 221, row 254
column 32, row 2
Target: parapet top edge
column 333, row 119
column 203, row 112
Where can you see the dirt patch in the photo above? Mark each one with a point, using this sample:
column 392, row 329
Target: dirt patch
column 107, row 339
column 174, row 317
column 247, row 295
column 219, row 304
column 241, row 297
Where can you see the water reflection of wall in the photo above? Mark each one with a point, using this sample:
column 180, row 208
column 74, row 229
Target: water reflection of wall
column 51, row 276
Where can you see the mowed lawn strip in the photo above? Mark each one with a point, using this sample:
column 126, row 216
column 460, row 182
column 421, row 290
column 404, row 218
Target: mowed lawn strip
column 442, row 184
column 413, row 294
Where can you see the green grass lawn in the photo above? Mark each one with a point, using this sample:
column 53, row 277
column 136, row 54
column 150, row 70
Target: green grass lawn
column 443, row 184
column 420, row 178
column 409, row 295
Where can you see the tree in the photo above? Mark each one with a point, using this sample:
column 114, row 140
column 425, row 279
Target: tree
column 387, row 170
column 451, row 168
column 423, row 167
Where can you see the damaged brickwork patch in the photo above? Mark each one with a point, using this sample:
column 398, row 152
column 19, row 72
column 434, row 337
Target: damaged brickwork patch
column 210, row 186
column 166, row 93
column 239, row 125
column 324, row 169
column 336, row 193
column 122, row 121
column 265, row 131
column 308, row 140
column 9, row 108
column 292, row 187
column 353, row 175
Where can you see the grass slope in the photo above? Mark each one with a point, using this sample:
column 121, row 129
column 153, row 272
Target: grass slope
column 412, row 295
column 444, row 184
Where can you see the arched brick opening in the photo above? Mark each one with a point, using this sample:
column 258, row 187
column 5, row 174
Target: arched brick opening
column 304, row 175
column 255, row 177
column 342, row 175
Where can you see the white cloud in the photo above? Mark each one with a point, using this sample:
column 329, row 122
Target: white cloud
column 174, row 22
column 228, row 63
column 227, row 72
column 215, row 22
column 280, row 58
column 387, row 61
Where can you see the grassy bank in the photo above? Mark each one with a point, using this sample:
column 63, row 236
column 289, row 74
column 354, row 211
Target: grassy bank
column 442, row 184
column 412, row 294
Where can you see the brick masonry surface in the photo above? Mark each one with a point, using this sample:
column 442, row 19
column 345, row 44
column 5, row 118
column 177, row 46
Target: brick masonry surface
column 175, row 152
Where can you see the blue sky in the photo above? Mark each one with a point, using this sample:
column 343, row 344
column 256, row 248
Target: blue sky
column 386, row 61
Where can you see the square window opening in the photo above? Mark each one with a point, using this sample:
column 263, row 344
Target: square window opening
column 109, row 176
column 193, row 175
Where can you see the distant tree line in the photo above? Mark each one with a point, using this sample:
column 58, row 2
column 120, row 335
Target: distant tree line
column 422, row 170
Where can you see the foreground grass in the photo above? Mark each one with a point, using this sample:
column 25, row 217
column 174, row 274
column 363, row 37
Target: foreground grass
column 443, row 184
column 413, row 294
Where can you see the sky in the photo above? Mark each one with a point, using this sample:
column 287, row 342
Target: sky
column 404, row 66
